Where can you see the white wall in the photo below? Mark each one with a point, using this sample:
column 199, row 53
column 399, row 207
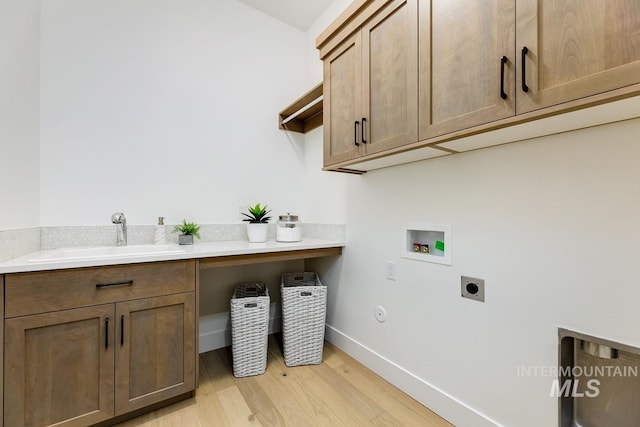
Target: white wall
column 159, row 107
column 314, row 65
column 326, row 192
column 551, row 224
column 19, row 113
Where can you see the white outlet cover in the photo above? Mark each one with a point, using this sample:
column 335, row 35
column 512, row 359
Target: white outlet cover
column 380, row 313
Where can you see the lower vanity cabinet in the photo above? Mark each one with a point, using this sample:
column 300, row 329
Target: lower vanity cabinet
column 155, row 350
column 79, row 366
column 59, row 368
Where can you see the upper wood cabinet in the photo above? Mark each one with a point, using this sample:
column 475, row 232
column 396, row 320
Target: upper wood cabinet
column 370, row 82
column 467, row 64
column 481, row 66
column 479, row 62
column 390, row 78
column 342, row 101
column 575, row 49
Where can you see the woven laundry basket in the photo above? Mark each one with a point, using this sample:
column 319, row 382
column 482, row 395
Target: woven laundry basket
column 249, row 329
column 304, row 310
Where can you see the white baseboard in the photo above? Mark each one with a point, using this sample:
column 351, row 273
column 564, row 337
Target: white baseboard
column 215, row 329
column 445, row 405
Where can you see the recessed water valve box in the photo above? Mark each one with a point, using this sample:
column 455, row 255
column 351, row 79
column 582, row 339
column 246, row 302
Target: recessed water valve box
column 427, row 242
column 472, row 288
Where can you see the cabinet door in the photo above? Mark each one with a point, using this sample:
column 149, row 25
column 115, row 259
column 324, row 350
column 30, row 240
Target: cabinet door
column 341, row 103
column 155, row 356
column 59, row 368
column 461, row 45
column 390, row 77
column 576, row 49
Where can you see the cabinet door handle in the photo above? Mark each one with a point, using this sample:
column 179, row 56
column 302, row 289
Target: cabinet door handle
column 106, row 285
column 355, row 133
column 122, row 330
column 503, row 61
column 364, row 128
column 525, row 50
column 106, row 332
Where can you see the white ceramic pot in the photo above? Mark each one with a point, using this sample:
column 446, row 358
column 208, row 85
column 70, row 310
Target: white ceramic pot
column 257, row 232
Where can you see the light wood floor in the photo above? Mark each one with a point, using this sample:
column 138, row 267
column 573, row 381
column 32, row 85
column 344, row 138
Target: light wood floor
column 338, row 392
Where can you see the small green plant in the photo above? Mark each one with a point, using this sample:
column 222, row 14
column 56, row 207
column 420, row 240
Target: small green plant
column 257, row 214
column 188, row 228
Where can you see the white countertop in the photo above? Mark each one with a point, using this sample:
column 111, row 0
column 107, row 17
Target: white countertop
column 195, row 251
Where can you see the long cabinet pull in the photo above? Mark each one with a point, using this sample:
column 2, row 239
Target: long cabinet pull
column 106, row 332
column 364, row 128
column 122, row 330
column 525, row 50
column 106, row 285
column 503, row 61
column 355, row 133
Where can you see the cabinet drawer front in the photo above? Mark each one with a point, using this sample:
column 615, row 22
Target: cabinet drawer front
column 41, row 292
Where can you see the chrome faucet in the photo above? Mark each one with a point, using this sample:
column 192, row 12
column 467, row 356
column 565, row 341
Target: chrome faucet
column 120, row 221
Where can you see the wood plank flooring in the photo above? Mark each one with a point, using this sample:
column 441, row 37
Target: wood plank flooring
column 338, row 392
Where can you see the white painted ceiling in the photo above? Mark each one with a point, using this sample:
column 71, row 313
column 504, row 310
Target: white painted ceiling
column 297, row 13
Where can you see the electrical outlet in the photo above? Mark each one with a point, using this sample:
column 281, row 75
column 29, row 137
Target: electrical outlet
column 391, row 270
column 472, row 288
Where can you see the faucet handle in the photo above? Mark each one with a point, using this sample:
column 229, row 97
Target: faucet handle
column 118, row 218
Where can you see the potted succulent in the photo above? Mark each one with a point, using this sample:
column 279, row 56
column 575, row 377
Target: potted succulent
column 258, row 223
column 187, row 230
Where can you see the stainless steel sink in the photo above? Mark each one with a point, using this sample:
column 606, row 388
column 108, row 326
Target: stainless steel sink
column 105, row 252
column 604, row 386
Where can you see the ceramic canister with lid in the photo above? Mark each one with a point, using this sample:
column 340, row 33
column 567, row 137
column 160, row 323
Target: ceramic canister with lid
column 288, row 228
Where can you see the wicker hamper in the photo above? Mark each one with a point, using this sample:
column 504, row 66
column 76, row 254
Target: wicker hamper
column 249, row 329
column 304, row 309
